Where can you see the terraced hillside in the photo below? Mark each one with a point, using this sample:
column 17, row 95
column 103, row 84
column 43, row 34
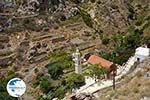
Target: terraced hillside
column 34, row 36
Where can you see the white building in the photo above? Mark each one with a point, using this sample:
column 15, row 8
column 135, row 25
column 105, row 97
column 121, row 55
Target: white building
column 142, row 53
column 77, row 60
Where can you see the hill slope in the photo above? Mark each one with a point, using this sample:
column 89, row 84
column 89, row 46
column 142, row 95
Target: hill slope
column 134, row 86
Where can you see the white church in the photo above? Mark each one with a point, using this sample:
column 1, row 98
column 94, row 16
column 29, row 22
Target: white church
column 141, row 53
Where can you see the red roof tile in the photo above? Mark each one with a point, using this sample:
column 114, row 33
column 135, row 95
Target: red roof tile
column 93, row 59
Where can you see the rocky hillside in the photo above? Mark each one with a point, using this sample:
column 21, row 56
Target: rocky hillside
column 32, row 30
column 116, row 16
column 135, row 86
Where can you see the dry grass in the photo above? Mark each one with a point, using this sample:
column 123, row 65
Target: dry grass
column 133, row 89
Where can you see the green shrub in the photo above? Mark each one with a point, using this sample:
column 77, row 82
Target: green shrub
column 146, row 40
column 45, row 84
column 55, row 70
column 2, row 88
column 97, row 71
column 3, row 82
column 10, row 75
column 132, row 40
column 6, row 96
column 131, row 13
column 63, row 59
column 86, row 18
column 139, row 22
column 125, row 45
column 105, row 41
column 73, row 81
column 58, row 93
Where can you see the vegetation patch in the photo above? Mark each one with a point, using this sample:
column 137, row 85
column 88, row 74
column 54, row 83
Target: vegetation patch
column 86, row 18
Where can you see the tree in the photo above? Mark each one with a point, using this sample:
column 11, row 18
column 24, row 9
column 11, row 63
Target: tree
column 73, row 80
column 118, row 39
column 57, row 93
column 66, row 62
column 3, row 82
column 64, row 59
column 1, row 87
column 9, row 75
column 146, row 40
column 55, row 70
column 5, row 96
column 60, row 92
column 96, row 71
column 132, row 40
column 45, row 83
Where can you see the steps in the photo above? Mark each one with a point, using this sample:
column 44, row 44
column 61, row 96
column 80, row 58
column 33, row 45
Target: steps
column 126, row 68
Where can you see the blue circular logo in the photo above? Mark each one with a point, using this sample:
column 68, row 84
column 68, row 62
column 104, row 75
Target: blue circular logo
column 16, row 87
